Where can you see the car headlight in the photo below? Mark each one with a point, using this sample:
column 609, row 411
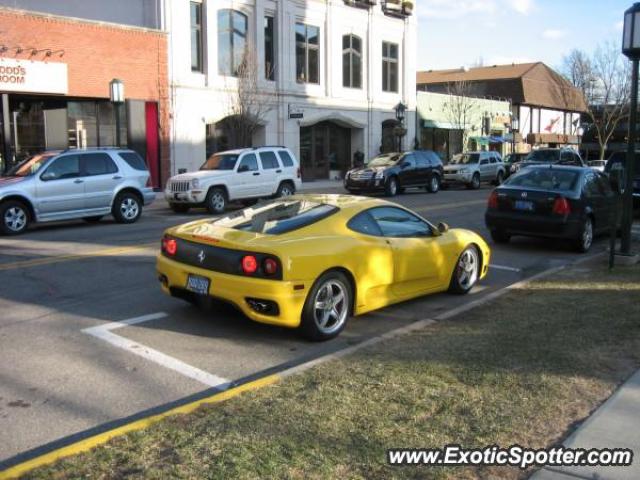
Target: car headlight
column 195, row 183
column 379, row 174
column 463, row 170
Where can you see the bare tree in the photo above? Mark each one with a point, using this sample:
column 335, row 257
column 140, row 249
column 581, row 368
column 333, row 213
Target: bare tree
column 603, row 79
column 249, row 103
column 460, row 108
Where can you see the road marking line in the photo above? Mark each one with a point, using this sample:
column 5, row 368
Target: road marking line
column 92, row 442
column 503, row 267
column 105, row 252
column 105, row 333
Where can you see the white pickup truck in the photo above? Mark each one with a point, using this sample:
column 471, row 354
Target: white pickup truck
column 245, row 174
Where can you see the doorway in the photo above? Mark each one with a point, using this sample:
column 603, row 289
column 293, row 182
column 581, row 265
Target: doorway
column 325, row 151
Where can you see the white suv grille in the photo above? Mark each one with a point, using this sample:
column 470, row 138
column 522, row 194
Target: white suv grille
column 179, row 186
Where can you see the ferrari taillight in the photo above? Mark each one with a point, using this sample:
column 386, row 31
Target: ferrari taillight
column 561, row 206
column 270, row 266
column 249, row 264
column 169, row 246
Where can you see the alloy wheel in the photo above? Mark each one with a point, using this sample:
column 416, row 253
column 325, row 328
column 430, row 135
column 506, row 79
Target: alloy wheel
column 286, row 191
column 217, row 201
column 435, row 184
column 393, row 186
column 15, row 218
column 129, row 208
column 467, row 268
column 587, row 234
column 330, row 307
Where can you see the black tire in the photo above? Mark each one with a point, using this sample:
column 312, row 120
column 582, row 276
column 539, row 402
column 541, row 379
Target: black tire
column 585, row 240
column 127, row 207
column 500, row 236
column 391, row 187
column 500, row 178
column 14, row 217
column 285, row 189
column 179, row 207
column 309, row 327
column 475, row 182
column 94, row 219
column 216, row 201
column 456, row 285
column 434, row 184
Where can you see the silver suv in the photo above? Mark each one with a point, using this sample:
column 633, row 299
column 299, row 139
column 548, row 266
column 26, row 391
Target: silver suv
column 472, row 168
column 87, row 184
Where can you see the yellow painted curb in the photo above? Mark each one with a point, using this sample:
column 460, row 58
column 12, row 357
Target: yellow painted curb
column 106, row 252
column 91, row 442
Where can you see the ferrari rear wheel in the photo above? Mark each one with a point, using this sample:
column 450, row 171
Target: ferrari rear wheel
column 466, row 272
column 327, row 307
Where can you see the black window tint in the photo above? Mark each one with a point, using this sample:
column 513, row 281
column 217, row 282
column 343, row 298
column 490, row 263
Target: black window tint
column 484, row 161
column 249, row 163
column 493, row 160
column 395, row 222
column 269, row 160
column 603, row 184
column 63, row 167
column 287, row 161
column 364, row 223
column 98, row 164
column 134, row 160
column 545, row 179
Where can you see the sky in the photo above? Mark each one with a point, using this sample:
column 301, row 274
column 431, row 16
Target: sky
column 456, row 33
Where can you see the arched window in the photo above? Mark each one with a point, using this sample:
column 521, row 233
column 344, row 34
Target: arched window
column 351, row 61
column 232, row 41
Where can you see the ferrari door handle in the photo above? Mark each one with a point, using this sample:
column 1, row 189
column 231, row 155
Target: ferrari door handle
column 256, row 174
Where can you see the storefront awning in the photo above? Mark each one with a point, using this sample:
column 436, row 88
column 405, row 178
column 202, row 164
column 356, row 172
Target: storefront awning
column 438, row 124
column 335, row 117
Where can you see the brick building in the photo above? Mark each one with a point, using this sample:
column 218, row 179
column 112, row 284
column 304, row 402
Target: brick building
column 55, row 71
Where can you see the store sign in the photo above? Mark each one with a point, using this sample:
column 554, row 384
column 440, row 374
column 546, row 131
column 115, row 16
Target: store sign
column 33, row 77
column 295, row 112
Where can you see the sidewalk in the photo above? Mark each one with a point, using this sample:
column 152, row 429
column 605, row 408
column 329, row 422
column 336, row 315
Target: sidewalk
column 616, row 424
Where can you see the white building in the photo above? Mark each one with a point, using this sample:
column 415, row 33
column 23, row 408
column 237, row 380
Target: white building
column 341, row 65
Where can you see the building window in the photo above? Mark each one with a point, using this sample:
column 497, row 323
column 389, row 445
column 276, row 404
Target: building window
column 269, row 49
column 196, row 37
column 389, row 67
column 232, row 41
column 307, row 53
column 351, row 61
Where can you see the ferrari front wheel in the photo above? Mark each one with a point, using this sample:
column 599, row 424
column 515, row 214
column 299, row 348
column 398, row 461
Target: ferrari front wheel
column 327, row 307
column 466, row 271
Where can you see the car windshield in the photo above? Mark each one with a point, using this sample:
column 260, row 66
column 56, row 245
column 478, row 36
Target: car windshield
column 220, row 162
column 552, row 179
column 30, row 166
column 543, row 156
column 277, row 217
column 465, row 158
column 384, row 160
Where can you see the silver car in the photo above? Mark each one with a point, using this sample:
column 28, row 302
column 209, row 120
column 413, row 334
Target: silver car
column 86, row 184
column 472, row 168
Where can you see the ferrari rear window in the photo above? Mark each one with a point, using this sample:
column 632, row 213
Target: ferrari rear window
column 276, row 218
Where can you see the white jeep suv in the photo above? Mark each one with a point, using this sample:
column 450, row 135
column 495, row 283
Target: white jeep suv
column 246, row 174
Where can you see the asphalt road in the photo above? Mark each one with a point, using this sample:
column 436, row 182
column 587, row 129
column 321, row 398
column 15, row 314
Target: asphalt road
column 65, row 367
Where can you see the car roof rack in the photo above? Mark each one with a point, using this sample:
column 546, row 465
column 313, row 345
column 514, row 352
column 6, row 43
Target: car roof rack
column 268, row 146
column 89, row 149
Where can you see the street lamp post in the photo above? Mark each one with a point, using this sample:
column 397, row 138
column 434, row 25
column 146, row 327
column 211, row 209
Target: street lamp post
column 401, row 108
column 631, row 49
column 116, row 95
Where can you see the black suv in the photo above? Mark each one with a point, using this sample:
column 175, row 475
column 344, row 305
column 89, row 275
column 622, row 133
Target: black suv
column 391, row 173
column 548, row 156
column 617, row 161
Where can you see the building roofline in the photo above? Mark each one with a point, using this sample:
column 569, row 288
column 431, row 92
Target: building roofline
column 69, row 19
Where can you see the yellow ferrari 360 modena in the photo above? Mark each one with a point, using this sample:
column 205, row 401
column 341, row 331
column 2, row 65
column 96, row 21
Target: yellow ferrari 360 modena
column 312, row 261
